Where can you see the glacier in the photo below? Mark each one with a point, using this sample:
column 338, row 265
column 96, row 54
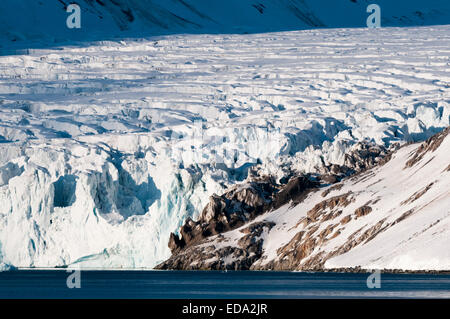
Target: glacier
column 107, row 147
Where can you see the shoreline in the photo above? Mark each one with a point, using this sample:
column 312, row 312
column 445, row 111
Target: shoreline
column 353, row 270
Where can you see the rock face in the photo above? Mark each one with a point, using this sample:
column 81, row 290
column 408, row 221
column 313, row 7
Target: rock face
column 428, row 146
column 260, row 195
column 239, row 205
column 247, row 250
column 265, row 226
column 366, row 155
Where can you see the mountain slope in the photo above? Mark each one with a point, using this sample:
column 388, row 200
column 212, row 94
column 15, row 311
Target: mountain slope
column 44, row 22
column 395, row 215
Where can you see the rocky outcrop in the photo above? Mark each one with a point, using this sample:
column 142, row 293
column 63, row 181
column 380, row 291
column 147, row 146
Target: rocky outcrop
column 202, row 245
column 366, row 155
column 430, row 145
column 238, row 206
column 363, row 211
column 242, row 256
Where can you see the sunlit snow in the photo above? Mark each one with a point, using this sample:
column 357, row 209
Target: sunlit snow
column 106, row 148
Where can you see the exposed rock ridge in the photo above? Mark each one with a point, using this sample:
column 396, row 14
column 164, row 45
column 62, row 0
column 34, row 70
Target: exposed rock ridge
column 259, row 195
column 430, row 145
column 239, row 205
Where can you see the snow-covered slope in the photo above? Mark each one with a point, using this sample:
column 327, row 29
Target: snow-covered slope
column 405, row 220
column 393, row 216
column 106, row 149
column 44, row 22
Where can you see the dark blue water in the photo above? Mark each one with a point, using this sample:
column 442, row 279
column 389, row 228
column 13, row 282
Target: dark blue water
column 229, row 285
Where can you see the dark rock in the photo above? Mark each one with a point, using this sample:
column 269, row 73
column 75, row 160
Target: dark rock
column 237, row 206
column 295, row 188
column 428, row 146
column 260, row 194
column 329, row 179
column 363, row 211
column 175, row 243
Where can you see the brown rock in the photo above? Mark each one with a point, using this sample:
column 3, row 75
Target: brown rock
column 363, row 211
column 428, row 146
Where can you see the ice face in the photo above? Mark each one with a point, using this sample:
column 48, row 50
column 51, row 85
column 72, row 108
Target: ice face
column 107, row 148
